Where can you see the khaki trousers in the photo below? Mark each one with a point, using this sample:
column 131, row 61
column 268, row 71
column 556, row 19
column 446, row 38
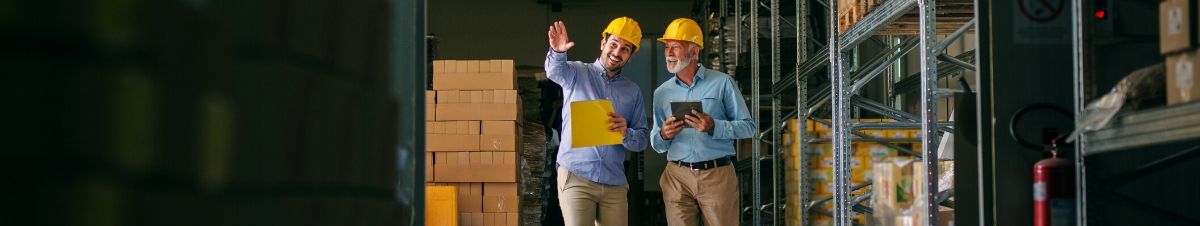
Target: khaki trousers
column 584, row 202
column 688, row 193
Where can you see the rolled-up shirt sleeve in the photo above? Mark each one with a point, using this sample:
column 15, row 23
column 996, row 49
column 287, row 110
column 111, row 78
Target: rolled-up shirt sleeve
column 559, row 70
column 637, row 133
column 740, row 125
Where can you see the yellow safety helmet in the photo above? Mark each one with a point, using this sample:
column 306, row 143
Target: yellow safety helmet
column 625, row 28
column 684, row 29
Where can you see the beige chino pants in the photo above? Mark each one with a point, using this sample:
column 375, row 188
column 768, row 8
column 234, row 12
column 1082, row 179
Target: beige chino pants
column 688, row 193
column 584, row 202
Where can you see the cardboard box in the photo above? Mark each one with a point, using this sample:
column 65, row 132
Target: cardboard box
column 475, row 167
column 493, row 105
column 451, row 142
column 1181, row 77
column 470, row 197
column 472, row 219
column 452, row 136
column 500, row 219
column 430, row 112
column 468, row 75
column 428, row 166
column 494, row 112
column 499, row 136
column 500, row 198
column 1176, row 21
column 899, row 182
column 430, row 101
column 441, row 205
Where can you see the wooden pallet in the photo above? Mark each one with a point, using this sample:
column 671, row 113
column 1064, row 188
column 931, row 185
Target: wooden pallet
column 951, row 14
column 851, row 11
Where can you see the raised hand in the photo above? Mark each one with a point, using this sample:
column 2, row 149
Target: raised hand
column 558, row 37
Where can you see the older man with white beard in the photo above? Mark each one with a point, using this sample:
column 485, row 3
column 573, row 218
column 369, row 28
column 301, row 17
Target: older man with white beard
column 700, row 179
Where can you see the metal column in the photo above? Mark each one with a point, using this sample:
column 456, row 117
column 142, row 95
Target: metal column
column 776, row 151
column 756, row 167
column 841, row 129
column 929, row 126
column 1079, row 63
column 801, row 104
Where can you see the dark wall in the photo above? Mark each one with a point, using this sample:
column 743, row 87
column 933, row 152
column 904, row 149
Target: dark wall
column 199, row 113
column 1018, row 67
column 483, row 29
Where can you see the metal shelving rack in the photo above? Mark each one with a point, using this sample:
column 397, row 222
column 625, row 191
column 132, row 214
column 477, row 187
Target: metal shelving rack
column 1168, row 128
column 840, row 94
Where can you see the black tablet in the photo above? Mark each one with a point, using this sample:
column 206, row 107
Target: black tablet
column 681, row 108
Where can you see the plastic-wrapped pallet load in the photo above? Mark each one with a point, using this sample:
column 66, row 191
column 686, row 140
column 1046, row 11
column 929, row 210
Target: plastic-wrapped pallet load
column 898, row 197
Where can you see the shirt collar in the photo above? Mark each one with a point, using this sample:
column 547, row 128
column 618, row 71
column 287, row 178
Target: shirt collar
column 604, row 72
column 696, row 80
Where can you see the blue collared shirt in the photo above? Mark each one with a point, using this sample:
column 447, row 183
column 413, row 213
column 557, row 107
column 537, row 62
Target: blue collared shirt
column 583, row 81
column 720, row 99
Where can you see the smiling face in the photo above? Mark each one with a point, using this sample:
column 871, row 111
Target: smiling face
column 615, row 52
column 679, row 54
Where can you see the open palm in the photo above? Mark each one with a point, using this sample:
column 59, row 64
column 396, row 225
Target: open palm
column 558, row 37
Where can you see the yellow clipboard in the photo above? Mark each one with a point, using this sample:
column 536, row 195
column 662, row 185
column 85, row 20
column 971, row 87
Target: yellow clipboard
column 589, row 124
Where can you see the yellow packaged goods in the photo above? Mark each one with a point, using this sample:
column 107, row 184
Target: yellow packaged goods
column 441, row 206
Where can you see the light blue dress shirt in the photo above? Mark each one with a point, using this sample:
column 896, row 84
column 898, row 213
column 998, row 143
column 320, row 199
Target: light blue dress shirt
column 589, row 81
column 720, row 99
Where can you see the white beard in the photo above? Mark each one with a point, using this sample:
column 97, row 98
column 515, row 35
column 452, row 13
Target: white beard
column 680, row 64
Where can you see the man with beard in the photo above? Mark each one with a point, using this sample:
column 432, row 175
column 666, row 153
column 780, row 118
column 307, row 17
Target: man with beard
column 700, row 179
column 591, row 180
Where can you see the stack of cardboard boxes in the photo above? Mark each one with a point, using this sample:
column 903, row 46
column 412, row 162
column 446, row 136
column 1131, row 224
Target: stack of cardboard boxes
column 472, row 138
column 1177, row 34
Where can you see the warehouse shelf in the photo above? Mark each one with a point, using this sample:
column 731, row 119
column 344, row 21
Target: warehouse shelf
column 1156, row 126
column 1129, row 154
column 842, row 94
column 891, row 17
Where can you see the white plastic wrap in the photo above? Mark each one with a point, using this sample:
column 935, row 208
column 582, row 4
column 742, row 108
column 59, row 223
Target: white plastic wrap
column 1141, row 86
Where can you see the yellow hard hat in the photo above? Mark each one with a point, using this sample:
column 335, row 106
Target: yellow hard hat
column 684, row 29
column 625, row 28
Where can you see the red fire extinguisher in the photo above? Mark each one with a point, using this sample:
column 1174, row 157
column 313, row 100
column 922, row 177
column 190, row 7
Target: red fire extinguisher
column 1053, row 176
column 1053, row 191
